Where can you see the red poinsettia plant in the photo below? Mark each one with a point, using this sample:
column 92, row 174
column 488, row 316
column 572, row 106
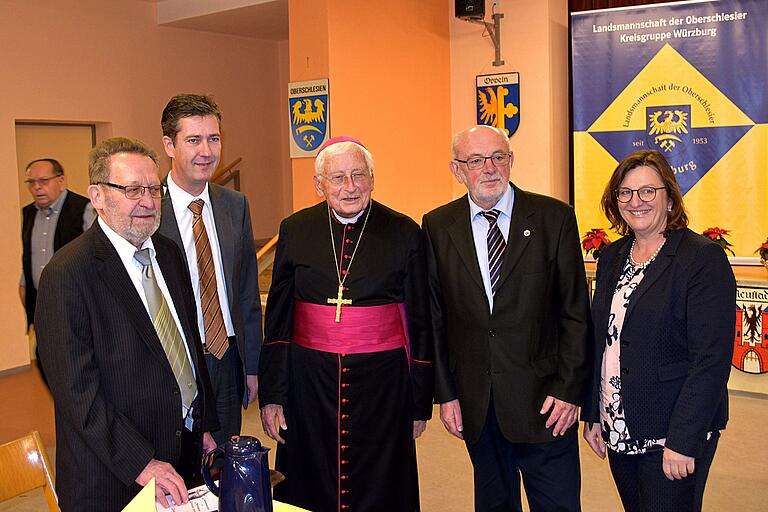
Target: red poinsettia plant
column 763, row 250
column 594, row 241
column 717, row 235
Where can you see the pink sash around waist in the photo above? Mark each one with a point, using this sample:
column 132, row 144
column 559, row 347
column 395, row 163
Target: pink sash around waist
column 361, row 329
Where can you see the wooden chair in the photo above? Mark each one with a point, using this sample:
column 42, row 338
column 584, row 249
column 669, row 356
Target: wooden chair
column 24, row 466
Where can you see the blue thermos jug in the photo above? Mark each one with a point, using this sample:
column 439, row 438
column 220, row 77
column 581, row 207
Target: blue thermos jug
column 244, row 482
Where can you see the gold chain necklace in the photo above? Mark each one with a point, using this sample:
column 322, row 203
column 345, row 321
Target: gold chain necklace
column 339, row 300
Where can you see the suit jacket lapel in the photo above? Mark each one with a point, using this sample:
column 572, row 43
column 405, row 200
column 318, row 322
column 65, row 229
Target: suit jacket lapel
column 521, row 230
column 225, row 231
column 611, row 268
column 110, row 268
column 176, row 289
column 656, row 269
column 613, row 271
column 170, row 227
column 460, row 232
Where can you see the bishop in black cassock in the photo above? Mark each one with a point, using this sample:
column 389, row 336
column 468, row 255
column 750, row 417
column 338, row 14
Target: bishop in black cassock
column 356, row 392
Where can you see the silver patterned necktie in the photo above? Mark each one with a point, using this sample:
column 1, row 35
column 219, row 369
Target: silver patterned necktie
column 169, row 335
column 496, row 246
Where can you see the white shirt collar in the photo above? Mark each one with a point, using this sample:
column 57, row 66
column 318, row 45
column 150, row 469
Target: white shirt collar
column 504, row 204
column 181, row 198
column 348, row 220
column 124, row 248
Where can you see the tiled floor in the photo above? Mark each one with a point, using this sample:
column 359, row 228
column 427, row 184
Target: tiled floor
column 738, row 479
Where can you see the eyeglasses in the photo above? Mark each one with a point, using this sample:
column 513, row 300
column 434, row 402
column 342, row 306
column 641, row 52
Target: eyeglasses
column 40, row 181
column 646, row 194
column 136, row 191
column 476, row 162
column 357, row 176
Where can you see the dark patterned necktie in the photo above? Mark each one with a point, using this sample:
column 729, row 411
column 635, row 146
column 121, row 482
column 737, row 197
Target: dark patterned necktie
column 166, row 329
column 216, row 342
column 496, row 246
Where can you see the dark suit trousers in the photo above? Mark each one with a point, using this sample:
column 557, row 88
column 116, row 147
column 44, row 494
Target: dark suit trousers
column 550, row 471
column 190, row 462
column 227, row 382
column 643, row 487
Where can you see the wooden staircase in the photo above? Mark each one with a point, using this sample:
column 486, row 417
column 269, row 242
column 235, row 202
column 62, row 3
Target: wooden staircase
column 265, row 254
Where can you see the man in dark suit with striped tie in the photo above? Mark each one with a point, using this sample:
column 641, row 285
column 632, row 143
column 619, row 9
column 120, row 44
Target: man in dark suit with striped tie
column 116, row 329
column 510, row 315
column 211, row 224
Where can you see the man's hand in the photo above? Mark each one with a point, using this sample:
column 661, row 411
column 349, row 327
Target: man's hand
column 594, row 439
column 208, row 443
column 677, row 466
column 167, row 481
column 419, row 426
column 450, row 415
column 272, row 417
column 563, row 415
column 252, row 382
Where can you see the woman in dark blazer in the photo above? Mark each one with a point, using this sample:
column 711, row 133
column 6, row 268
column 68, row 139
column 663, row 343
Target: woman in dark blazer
column 663, row 313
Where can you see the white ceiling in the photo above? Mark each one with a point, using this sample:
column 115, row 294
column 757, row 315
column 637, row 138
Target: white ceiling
column 263, row 19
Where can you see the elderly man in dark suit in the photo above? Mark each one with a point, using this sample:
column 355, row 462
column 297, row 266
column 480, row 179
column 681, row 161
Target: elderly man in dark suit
column 116, row 329
column 55, row 217
column 211, row 224
column 510, row 315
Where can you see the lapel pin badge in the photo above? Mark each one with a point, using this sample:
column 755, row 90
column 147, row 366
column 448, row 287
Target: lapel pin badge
column 527, row 232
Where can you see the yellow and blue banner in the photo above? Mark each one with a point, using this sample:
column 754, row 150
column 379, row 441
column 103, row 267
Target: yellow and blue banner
column 308, row 116
column 498, row 100
column 689, row 79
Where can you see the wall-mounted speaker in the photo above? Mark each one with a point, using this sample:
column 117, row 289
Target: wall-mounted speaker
column 470, row 9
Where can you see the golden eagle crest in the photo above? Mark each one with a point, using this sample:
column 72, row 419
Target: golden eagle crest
column 308, row 122
column 665, row 124
column 308, row 115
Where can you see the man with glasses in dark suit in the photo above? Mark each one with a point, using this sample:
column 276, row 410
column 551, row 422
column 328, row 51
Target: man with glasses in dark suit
column 510, row 315
column 116, row 330
column 55, row 217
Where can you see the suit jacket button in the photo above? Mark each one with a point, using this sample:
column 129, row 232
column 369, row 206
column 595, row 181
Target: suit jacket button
column 178, row 433
column 488, row 371
column 624, row 343
column 492, row 333
column 624, row 371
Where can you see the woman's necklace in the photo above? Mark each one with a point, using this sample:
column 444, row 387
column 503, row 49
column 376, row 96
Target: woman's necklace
column 649, row 260
column 339, row 300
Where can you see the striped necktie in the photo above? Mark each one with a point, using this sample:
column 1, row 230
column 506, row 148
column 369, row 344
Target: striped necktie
column 215, row 340
column 166, row 329
column 496, row 246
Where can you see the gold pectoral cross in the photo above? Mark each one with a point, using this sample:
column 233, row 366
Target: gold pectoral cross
column 339, row 301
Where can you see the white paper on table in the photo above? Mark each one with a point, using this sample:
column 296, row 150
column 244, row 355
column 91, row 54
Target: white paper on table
column 201, row 499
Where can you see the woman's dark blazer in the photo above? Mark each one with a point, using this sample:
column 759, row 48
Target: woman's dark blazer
column 676, row 341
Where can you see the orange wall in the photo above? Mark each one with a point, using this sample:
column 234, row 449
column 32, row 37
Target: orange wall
column 97, row 61
column 401, row 75
column 534, row 42
column 404, row 85
column 308, row 60
column 389, row 83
